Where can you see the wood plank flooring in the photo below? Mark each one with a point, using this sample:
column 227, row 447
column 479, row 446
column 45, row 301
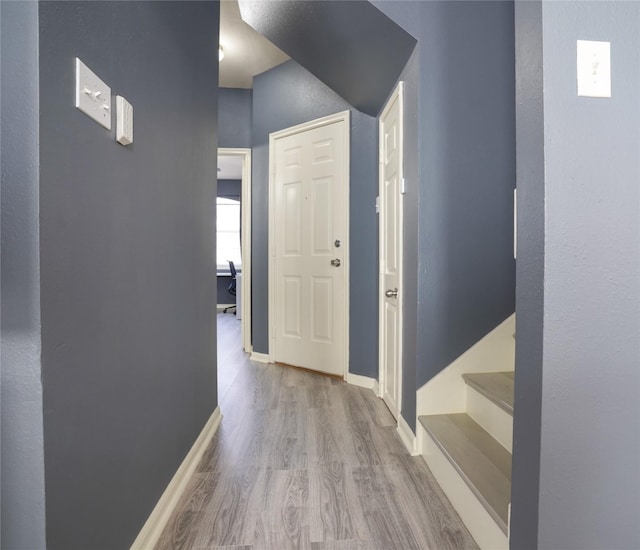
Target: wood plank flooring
column 304, row 461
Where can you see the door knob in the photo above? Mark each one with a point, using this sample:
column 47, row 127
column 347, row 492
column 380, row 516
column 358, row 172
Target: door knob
column 391, row 293
column 335, row 263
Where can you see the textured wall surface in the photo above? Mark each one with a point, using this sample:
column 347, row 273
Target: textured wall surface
column 345, row 44
column 22, row 492
column 590, row 437
column 530, row 276
column 234, row 117
column 466, row 270
column 128, row 266
column 282, row 97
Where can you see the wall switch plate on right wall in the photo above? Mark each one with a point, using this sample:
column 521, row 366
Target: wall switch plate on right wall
column 594, row 68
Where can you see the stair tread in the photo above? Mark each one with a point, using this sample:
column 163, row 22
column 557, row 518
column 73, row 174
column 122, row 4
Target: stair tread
column 495, row 386
column 483, row 463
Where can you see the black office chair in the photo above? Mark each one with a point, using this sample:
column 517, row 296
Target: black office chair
column 232, row 286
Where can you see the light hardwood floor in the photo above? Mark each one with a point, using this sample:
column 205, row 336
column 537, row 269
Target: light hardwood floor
column 303, row 461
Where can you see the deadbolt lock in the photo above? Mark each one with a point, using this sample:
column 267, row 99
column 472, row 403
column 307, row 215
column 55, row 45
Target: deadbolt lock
column 391, row 293
column 337, row 243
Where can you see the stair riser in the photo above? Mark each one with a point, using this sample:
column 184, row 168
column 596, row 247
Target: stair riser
column 481, row 525
column 492, row 418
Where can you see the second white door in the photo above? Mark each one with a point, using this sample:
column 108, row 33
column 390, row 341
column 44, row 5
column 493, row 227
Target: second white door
column 309, row 192
column 391, row 143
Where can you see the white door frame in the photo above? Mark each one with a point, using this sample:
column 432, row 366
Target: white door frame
column 398, row 94
column 343, row 116
column 245, row 223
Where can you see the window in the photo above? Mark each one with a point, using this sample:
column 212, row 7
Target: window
column 228, row 233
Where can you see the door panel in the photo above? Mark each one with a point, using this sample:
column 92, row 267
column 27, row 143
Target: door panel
column 310, row 185
column 322, row 216
column 291, row 309
column 292, row 219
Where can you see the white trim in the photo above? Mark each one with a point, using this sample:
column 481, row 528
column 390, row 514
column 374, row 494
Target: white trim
column 220, row 307
column 481, row 525
column 398, row 94
column 260, row 357
column 446, row 392
column 157, row 521
column 496, row 421
column 344, row 116
column 362, row 382
column 245, row 245
column 407, row 436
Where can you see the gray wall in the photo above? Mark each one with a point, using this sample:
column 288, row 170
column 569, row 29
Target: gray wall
column 466, row 270
column 315, row 34
column 234, row 117
column 127, row 261
column 282, row 97
column 231, row 189
column 464, row 227
column 590, row 437
column 529, row 276
column 22, row 492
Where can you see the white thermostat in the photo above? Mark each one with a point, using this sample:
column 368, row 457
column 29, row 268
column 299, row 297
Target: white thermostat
column 124, row 121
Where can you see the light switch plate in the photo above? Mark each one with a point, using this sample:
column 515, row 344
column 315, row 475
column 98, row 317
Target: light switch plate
column 93, row 96
column 594, row 68
column 124, row 121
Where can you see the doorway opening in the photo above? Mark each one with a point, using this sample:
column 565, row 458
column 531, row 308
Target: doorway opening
column 234, row 241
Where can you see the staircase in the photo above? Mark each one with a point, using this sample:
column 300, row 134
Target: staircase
column 469, row 454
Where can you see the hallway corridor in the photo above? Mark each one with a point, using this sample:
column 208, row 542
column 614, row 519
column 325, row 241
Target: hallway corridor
column 304, row 461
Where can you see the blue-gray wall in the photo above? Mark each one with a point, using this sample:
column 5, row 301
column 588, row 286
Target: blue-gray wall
column 127, row 262
column 525, row 479
column 315, row 34
column 466, row 140
column 282, row 97
column 231, row 189
column 22, row 492
column 466, row 270
column 589, row 442
column 234, row 117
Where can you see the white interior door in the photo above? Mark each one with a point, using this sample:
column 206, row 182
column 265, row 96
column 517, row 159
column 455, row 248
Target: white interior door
column 310, row 183
column 391, row 251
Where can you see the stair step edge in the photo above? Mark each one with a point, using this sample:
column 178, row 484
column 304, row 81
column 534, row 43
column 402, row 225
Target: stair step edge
column 497, row 503
column 495, row 386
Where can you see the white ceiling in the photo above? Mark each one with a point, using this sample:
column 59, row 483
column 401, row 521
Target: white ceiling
column 229, row 168
column 246, row 53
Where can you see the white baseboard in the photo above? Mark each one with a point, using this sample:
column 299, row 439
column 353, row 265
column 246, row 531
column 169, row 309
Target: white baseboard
column 220, row 307
column 362, row 381
column 259, row 357
column 156, row 522
column 474, row 515
column 446, row 392
column 407, row 436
